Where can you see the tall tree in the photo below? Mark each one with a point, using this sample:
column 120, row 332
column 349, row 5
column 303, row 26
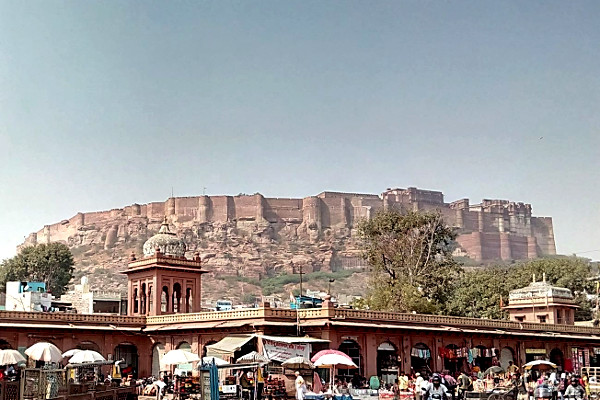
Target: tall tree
column 411, row 259
column 50, row 263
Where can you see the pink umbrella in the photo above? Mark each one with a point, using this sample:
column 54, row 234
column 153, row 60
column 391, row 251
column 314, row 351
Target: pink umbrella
column 329, row 351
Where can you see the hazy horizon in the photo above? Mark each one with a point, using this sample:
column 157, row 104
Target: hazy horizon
column 106, row 104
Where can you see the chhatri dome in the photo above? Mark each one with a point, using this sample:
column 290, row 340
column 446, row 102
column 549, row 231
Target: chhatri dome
column 166, row 241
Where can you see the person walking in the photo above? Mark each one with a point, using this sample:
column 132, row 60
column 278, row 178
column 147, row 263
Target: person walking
column 419, row 381
column 300, row 386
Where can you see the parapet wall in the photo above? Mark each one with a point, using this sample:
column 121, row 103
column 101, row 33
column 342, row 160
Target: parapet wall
column 493, row 229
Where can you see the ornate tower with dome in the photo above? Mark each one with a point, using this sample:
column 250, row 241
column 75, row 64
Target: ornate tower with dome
column 164, row 281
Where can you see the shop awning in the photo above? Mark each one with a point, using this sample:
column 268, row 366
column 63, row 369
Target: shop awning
column 228, row 345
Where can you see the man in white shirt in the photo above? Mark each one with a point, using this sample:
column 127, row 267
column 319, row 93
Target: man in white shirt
column 419, row 386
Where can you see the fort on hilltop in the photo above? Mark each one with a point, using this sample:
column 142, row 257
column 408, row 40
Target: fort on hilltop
column 490, row 230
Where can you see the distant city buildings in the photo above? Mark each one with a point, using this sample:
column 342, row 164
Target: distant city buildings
column 27, row 296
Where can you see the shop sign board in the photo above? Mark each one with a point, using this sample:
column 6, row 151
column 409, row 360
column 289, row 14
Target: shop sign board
column 279, row 351
column 535, row 351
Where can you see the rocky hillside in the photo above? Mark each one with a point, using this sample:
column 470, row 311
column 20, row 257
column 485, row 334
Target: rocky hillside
column 245, row 259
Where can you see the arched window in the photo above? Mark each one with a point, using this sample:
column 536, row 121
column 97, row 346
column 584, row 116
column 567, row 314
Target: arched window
column 143, row 300
column 135, row 301
column 164, row 300
column 176, row 298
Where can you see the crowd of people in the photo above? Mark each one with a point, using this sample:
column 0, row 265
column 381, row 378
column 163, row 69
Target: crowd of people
column 530, row 385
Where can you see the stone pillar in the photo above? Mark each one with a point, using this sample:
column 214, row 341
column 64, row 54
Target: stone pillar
column 480, row 221
column 505, row 250
column 129, row 297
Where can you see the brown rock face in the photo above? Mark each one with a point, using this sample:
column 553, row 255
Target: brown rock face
column 253, row 236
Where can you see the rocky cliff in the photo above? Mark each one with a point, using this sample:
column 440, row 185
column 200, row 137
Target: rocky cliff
column 253, row 237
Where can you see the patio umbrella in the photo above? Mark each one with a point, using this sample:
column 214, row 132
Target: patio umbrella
column 493, row 370
column 86, row 356
column 252, row 357
column 44, row 351
column 335, row 360
column 539, row 364
column 179, row 356
column 70, row 353
column 215, row 360
column 298, row 363
column 11, row 357
column 329, row 351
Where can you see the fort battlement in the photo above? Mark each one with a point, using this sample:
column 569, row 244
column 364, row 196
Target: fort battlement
column 492, row 229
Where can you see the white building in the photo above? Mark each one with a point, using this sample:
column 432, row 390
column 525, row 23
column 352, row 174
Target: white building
column 27, row 296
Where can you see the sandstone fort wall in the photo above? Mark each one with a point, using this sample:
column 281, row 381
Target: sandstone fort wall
column 493, row 229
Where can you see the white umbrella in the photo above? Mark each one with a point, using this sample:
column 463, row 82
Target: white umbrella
column 334, row 360
column 215, row 360
column 86, row 356
column 70, row 353
column 298, row 363
column 179, row 356
column 44, row 351
column 539, row 363
column 252, row 357
column 11, row 357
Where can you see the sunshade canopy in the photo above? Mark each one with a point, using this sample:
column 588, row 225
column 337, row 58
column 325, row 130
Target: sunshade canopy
column 44, row 351
column 86, row 356
column 228, row 345
column 11, row 357
column 179, row 356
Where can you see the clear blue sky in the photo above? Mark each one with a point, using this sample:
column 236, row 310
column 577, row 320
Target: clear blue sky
column 107, row 103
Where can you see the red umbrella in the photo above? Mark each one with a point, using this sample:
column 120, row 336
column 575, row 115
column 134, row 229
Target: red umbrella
column 329, row 351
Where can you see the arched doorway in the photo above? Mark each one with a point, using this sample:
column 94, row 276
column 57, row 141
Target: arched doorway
column 185, row 346
column 506, row 355
column 88, row 345
column 420, row 358
column 387, row 362
column 352, row 349
column 176, row 300
column 129, row 354
column 557, row 357
column 453, row 359
column 483, row 357
column 4, row 345
column 158, row 351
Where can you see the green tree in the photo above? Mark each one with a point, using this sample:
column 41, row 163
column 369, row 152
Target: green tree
column 50, row 263
column 411, row 259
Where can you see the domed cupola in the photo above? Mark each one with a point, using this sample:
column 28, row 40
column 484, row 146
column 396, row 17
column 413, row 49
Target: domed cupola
column 166, row 241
